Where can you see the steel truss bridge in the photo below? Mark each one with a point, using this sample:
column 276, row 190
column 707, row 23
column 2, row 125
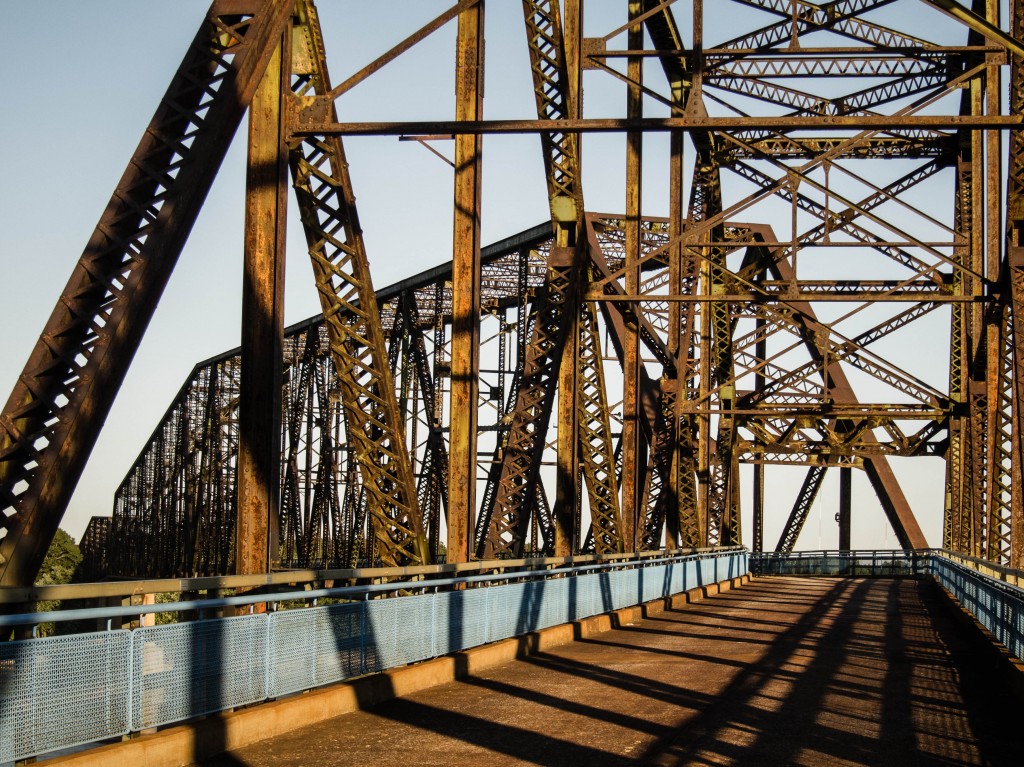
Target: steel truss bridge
column 841, row 176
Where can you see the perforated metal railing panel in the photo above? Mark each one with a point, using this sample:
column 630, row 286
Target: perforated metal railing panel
column 997, row 606
column 59, row 692
column 65, row 691
column 315, row 646
column 398, row 631
column 184, row 670
column 456, row 628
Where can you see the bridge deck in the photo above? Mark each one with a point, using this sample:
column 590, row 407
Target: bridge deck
column 781, row 671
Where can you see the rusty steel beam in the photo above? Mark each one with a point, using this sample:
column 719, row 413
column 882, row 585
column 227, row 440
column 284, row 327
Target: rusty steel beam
column 555, row 305
column 880, row 474
column 259, row 410
column 465, row 360
column 310, row 124
column 801, row 509
column 634, row 457
column 568, row 511
column 327, row 208
column 1013, row 273
column 557, row 308
column 595, row 440
column 718, row 353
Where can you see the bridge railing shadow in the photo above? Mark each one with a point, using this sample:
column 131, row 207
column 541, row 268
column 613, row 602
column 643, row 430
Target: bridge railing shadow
column 815, row 691
column 135, row 681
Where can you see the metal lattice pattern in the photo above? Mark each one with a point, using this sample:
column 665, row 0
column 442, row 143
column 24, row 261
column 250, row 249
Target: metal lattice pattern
column 185, row 670
column 516, row 492
column 547, row 59
column 761, row 323
column 596, row 439
column 327, row 206
column 801, row 508
column 179, row 495
column 60, row 692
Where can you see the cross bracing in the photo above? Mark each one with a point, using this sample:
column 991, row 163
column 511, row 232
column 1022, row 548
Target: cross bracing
column 830, row 281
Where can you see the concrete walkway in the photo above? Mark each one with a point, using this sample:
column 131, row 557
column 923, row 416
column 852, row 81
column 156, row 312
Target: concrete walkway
column 782, row 671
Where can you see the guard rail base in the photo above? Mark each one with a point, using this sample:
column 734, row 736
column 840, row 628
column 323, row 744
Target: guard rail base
column 182, row 744
column 61, row 692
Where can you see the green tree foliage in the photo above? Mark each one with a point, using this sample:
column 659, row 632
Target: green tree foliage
column 61, row 561
column 60, row 565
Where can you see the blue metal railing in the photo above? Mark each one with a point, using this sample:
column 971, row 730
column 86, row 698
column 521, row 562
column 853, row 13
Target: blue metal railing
column 998, row 605
column 991, row 593
column 873, row 563
column 63, row 691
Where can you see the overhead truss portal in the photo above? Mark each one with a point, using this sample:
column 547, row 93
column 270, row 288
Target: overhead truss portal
column 837, row 281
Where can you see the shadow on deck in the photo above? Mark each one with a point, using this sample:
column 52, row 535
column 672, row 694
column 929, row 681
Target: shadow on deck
column 782, row 671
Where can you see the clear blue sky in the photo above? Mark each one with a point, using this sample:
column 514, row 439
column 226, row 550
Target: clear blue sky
column 80, row 82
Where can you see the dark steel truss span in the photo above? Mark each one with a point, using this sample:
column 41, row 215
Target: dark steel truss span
column 834, row 278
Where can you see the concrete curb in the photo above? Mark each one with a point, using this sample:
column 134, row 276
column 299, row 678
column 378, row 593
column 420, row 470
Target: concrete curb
column 191, row 742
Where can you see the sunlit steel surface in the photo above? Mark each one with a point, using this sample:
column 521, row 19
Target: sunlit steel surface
column 836, row 185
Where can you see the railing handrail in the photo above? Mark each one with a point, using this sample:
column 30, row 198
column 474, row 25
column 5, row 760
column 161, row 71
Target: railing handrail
column 1003, row 573
column 14, row 595
column 1013, row 576
column 837, row 552
column 361, row 591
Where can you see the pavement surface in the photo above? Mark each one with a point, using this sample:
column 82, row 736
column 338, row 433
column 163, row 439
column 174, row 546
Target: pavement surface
column 782, row 671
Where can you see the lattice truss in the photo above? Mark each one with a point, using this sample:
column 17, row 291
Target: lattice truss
column 837, row 282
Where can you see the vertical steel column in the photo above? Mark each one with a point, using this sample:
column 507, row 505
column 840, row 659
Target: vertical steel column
column 1015, row 256
column 567, row 499
column 677, row 395
column 465, row 362
column 259, row 428
column 957, row 466
column 678, row 347
column 632, row 450
column 519, row 491
column 981, row 428
column 758, row 532
column 761, row 353
column 845, row 506
column 705, row 203
column 999, row 400
column 1015, row 275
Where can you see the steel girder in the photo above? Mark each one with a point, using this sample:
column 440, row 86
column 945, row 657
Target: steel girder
column 54, row 414
column 1013, row 284
column 559, row 321
column 761, row 327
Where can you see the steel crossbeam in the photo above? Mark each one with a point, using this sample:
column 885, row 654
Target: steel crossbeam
column 604, row 382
